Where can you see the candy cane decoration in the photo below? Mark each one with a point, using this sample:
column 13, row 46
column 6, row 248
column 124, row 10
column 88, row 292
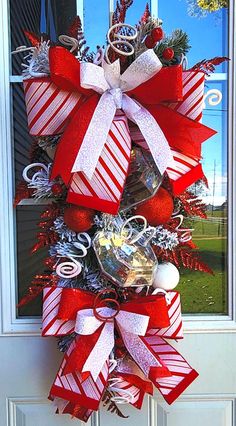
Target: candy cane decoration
column 120, row 40
column 72, row 269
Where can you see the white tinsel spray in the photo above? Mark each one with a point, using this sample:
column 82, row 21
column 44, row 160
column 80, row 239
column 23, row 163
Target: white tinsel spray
column 165, row 239
column 37, row 61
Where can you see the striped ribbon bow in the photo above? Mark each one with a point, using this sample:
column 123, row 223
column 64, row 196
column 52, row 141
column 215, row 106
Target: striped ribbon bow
column 82, row 100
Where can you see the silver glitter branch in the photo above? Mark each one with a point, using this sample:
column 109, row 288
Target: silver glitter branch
column 41, row 183
column 165, row 239
column 37, row 61
column 63, row 231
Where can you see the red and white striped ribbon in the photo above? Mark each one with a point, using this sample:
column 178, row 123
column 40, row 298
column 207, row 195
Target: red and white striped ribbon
column 72, row 387
column 182, row 373
column 105, row 188
column 51, row 326
column 175, row 329
column 193, row 91
column 183, row 170
column 48, row 107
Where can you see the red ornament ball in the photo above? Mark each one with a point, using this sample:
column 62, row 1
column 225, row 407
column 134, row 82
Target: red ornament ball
column 158, row 209
column 157, row 34
column 149, row 42
column 57, row 189
column 79, row 219
column 168, row 54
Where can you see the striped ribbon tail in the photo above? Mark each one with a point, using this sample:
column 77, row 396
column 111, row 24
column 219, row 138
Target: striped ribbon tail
column 105, row 188
column 184, row 170
column 85, row 392
column 182, row 373
column 48, row 108
column 193, row 92
column 51, row 326
column 175, row 329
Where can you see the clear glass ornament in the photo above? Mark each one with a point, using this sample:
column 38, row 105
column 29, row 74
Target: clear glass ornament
column 125, row 263
column 143, row 179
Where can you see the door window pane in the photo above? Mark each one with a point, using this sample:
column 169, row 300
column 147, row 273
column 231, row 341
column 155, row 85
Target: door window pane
column 96, row 23
column 52, row 17
column 200, row 292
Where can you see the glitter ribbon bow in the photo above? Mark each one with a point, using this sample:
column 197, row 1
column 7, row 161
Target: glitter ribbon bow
column 113, row 89
column 143, row 324
column 83, row 101
column 96, row 329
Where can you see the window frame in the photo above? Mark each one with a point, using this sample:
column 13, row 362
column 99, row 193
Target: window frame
column 10, row 324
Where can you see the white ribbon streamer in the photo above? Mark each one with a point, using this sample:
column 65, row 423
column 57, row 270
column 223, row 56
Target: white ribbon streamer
column 112, row 85
column 131, row 326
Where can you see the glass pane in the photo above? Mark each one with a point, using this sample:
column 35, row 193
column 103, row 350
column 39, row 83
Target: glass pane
column 96, row 24
column 27, row 217
column 200, row 292
column 38, row 16
column 28, row 265
column 135, row 12
column 208, row 35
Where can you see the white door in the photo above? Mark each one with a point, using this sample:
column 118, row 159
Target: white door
column 28, row 363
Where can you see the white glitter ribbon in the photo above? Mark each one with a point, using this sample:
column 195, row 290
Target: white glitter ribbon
column 112, row 85
column 131, row 325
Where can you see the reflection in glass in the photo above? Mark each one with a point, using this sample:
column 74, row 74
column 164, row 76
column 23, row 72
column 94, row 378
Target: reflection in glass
column 96, row 23
column 27, row 217
column 52, row 17
column 135, row 12
column 203, row 293
column 28, row 265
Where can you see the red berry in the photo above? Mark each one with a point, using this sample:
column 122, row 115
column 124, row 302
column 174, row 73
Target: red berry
column 149, row 42
column 168, row 54
column 157, row 34
column 57, row 189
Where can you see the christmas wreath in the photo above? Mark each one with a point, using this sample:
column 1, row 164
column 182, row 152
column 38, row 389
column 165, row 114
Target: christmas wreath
column 122, row 132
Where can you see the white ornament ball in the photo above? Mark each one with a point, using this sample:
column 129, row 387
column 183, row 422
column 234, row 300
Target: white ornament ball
column 165, row 276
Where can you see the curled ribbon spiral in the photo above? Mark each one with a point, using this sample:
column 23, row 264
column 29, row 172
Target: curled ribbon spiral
column 37, row 174
column 213, row 97
column 146, row 229
column 69, row 42
column 186, row 232
column 120, row 40
column 69, row 269
column 124, row 397
column 72, row 269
